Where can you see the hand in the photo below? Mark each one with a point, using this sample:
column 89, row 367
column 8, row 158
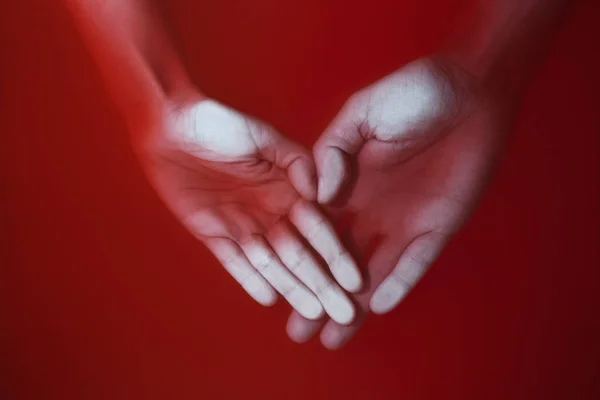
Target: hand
column 415, row 152
column 235, row 183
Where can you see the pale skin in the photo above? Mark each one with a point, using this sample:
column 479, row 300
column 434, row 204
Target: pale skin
column 440, row 159
column 234, row 182
column 402, row 166
column 438, row 154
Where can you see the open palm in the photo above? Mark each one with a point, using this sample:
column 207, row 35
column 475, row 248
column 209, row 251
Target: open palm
column 243, row 190
column 403, row 166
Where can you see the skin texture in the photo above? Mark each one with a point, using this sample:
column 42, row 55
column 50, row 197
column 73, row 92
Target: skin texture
column 409, row 157
column 234, row 182
column 402, row 166
column 439, row 156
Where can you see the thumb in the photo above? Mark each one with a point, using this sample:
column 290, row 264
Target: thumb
column 333, row 152
column 216, row 132
column 288, row 155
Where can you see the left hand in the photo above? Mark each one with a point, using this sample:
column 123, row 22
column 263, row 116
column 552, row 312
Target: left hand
column 235, row 183
column 423, row 141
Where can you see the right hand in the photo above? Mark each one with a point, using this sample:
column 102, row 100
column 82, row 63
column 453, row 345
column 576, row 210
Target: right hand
column 243, row 190
column 234, row 182
column 407, row 160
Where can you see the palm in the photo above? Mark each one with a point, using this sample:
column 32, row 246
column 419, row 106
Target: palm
column 412, row 190
column 232, row 199
column 433, row 190
column 242, row 189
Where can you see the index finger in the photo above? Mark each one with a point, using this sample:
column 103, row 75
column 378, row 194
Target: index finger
column 321, row 235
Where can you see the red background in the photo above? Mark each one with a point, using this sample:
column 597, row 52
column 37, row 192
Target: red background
column 104, row 296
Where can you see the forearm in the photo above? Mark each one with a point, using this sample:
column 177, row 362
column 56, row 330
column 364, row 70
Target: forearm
column 132, row 50
column 504, row 41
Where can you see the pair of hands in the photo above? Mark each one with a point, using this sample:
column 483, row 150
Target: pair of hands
column 390, row 181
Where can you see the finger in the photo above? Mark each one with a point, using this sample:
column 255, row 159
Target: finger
column 215, row 132
column 414, row 262
column 300, row 329
column 266, row 262
column 321, row 235
column 342, row 138
column 287, row 155
column 302, row 175
column 379, row 264
column 299, row 260
column 235, row 262
column 335, row 336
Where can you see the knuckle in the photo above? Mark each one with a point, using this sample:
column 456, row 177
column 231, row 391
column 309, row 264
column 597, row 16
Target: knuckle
column 334, row 259
column 264, row 263
column 323, row 289
column 246, row 280
column 318, row 225
column 403, row 281
column 288, row 291
column 296, row 264
column 420, row 259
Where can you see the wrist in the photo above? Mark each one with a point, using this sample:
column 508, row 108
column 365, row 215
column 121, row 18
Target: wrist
column 503, row 42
